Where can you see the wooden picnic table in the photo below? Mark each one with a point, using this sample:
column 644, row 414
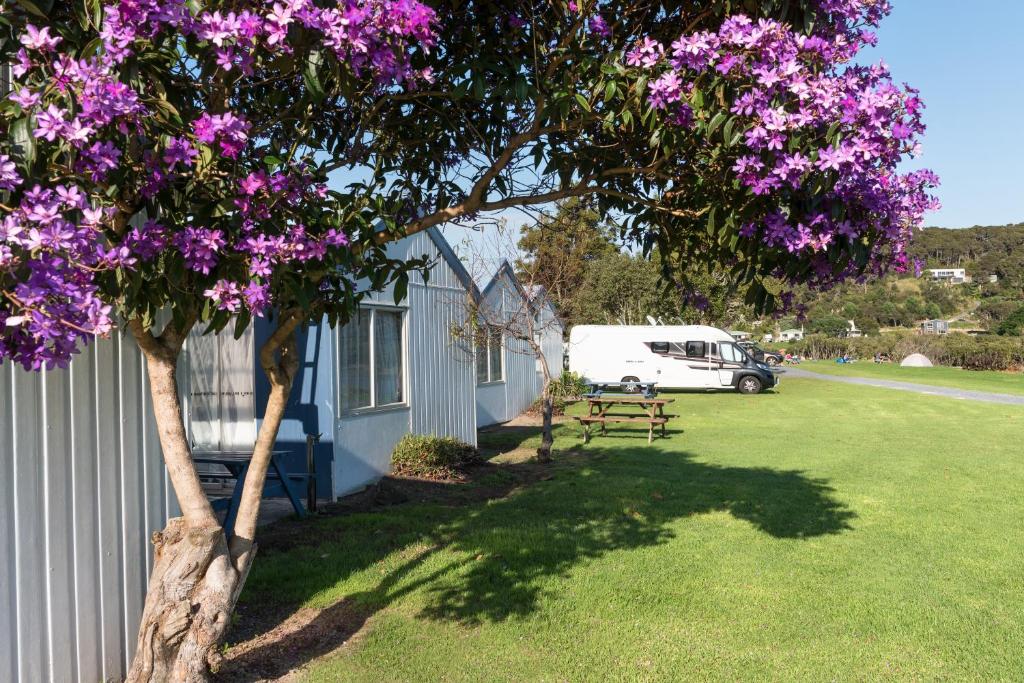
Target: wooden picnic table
column 653, row 410
column 279, row 481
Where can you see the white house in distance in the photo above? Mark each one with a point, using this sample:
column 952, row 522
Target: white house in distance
column 954, row 276
column 792, row 334
column 508, row 377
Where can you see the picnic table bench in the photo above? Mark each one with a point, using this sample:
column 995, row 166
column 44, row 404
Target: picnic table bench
column 599, row 404
column 279, row 483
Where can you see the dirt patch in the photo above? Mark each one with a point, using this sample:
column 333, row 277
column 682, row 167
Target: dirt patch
column 280, row 653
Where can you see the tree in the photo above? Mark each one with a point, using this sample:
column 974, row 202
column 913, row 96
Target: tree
column 621, row 289
column 164, row 165
column 159, row 170
column 1013, row 325
column 556, row 250
column 831, row 325
column 519, row 315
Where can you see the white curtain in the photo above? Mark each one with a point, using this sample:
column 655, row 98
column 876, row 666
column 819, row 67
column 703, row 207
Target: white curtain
column 388, row 357
column 221, row 396
column 495, row 353
column 354, row 363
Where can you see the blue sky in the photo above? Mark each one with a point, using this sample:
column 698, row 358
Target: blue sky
column 967, row 58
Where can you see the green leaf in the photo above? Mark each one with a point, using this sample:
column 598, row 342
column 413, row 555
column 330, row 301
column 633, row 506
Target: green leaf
column 32, row 8
column 522, row 88
column 401, row 287
column 311, row 78
column 609, row 91
column 727, row 131
column 716, row 121
column 711, row 220
column 583, row 102
column 242, row 322
column 24, row 142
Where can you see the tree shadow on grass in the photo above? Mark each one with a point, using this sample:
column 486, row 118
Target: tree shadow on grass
column 619, row 498
column 475, row 562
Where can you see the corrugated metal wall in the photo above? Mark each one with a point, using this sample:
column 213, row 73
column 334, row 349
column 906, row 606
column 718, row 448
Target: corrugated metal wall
column 82, row 488
column 520, row 386
column 443, row 374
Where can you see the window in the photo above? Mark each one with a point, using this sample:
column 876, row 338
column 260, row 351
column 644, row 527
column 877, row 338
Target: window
column 371, row 360
column 696, row 349
column 731, row 354
column 659, row 347
column 488, row 356
column 387, row 357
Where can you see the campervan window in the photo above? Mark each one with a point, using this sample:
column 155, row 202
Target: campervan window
column 731, row 354
column 696, row 349
column 659, row 347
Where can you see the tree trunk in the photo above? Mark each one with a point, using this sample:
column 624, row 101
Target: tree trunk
column 547, row 439
column 197, row 577
column 192, row 594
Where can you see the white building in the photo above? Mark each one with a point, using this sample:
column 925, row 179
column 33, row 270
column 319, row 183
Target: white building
column 953, row 275
column 792, row 334
column 391, row 371
column 83, row 485
column 508, row 376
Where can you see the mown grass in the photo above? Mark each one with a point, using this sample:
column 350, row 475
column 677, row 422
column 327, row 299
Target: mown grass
column 974, row 380
column 823, row 532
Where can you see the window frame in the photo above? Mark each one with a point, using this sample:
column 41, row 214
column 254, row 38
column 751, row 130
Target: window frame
column 703, row 345
column 404, row 404
column 492, row 332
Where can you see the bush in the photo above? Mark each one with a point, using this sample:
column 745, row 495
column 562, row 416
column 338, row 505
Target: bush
column 568, row 386
column 958, row 350
column 558, row 405
column 433, row 457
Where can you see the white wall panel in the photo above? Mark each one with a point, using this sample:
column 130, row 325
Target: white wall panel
column 82, row 488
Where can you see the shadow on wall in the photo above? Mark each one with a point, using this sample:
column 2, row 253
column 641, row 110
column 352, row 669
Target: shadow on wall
column 474, row 562
column 309, row 405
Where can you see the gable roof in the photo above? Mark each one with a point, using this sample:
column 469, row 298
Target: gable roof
column 536, row 298
column 506, row 269
column 454, row 262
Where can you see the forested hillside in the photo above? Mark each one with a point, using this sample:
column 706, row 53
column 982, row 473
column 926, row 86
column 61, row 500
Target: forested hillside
column 983, row 251
column 600, row 283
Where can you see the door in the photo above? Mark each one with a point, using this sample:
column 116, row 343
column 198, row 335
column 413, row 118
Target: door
column 730, row 360
column 699, row 372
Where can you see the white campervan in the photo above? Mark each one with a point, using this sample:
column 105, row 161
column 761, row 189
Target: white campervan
column 673, row 356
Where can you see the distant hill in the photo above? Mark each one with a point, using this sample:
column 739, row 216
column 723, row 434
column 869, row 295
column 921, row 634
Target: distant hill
column 982, row 250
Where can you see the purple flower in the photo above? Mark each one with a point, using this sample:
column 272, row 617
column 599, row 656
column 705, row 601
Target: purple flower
column 50, row 123
column 39, row 39
column 25, row 98
column 200, row 247
column 257, row 298
column 599, row 27
column 226, row 295
column 179, row 151
column 9, row 178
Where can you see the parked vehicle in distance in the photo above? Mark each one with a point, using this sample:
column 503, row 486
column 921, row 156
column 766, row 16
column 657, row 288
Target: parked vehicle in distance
column 761, row 355
column 672, row 356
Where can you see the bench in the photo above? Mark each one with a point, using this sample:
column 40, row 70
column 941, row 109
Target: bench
column 603, row 420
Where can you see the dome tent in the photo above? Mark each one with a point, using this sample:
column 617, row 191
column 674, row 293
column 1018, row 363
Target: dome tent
column 916, row 360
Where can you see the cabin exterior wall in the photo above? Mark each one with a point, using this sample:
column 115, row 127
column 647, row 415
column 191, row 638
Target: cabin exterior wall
column 82, row 489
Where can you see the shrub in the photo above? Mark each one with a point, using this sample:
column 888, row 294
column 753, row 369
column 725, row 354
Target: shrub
column 558, row 405
column 568, row 385
column 433, row 457
column 959, row 350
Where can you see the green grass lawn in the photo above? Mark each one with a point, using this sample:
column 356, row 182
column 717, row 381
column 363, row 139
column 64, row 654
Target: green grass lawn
column 976, row 380
column 823, row 532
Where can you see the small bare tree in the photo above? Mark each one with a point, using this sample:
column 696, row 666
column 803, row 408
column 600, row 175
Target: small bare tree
column 515, row 311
